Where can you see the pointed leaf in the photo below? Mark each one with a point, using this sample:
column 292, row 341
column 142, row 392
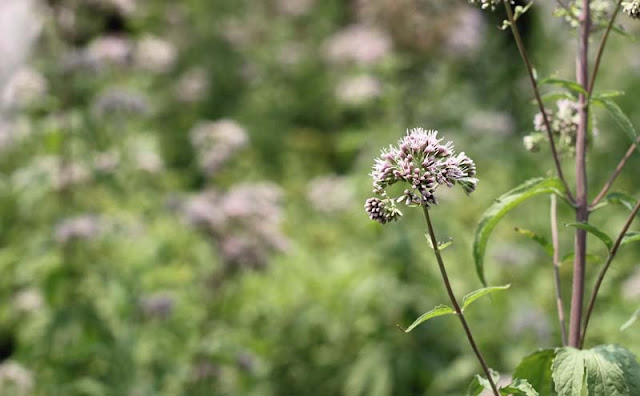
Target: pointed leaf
column 555, row 96
column 501, row 207
column 568, row 372
column 632, row 320
column 441, row 245
column 474, row 295
column 536, row 369
column 519, row 387
column 593, row 230
column 591, row 258
column 570, row 85
column 632, row 236
column 619, row 116
column 541, row 240
column 437, row 311
column 479, row 383
column 608, row 94
column 621, row 198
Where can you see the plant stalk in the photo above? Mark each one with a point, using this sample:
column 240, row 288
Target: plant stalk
column 454, row 301
column 605, row 268
column 582, row 206
column 615, row 173
column 603, row 43
column 556, row 268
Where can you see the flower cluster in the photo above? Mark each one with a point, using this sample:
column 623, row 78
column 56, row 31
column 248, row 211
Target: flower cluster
column 423, row 162
column 484, row 4
column 564, row 126
column 216, row 142
column 632, row 8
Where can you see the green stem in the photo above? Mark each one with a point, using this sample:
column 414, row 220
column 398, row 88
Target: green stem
column 454, row 301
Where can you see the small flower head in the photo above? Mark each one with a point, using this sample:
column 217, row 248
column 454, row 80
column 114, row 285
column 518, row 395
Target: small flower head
column 424, row 163
column 564, row 127
column 632, row 8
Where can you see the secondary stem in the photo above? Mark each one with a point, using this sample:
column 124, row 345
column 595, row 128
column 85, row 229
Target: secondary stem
column 615, row 173
column 582, row 209
column 556, row 268
column 603, row 42
column 536, row 92
column 605, row 268
column 454, row 301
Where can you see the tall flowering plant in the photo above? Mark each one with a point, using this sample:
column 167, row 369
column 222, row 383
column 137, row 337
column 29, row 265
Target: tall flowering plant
column 421, row 163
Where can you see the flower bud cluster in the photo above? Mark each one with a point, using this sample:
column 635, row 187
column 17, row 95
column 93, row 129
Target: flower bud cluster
column 632, row 8
column 564, row 127
column 421, row 161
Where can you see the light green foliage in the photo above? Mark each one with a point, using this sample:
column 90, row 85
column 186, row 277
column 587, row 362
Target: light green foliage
column 539, row 239
column 519, row 387
column 473, row 296
column 501, row 207
column 606, row 370
column 437, row 311
column 618, row 115
column 631, row 320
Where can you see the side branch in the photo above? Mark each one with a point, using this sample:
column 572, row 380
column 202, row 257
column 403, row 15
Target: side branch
column 603, row 43
column 605, row 268
column 615, row 174
column 536, row 91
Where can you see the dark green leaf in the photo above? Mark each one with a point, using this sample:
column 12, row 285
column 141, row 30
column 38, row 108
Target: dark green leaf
column 502, row 206
column 619, row 116
column 536, row 369
column 474, row 295
column 568, row 372
column 519, row 387
column 437, row 311
column 604, row 375
column 542, row 241
column 593, row 230
column 570, row 85
column 632, row 320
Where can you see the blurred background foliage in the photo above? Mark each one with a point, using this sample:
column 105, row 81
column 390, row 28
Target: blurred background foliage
column 181, row 191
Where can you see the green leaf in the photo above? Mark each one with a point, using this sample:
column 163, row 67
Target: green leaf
column 502, row 206
column 437, row 311
column 607, row 94
column 570, row 85
column 593, row 230
column 519, row 387
column 619, row 116
column 568, row 372
column 627, row 362
column 591, row 258
column 474, row 295
column 536, row 369
column 629, row 237
column 631, row 320
column 541, row 240
column 479, row 383
column 604, row 375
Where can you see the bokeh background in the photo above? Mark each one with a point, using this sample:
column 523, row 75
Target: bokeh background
column 182, row 188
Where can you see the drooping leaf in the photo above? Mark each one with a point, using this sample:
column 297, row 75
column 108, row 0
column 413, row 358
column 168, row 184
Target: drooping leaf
column 437, row 311
column 570, row 85
column 607, row 94
column 519, row 387
column 536, row 369
column 629, row 237
column 541, row 240
column 619, row 116
column 474, row 295
column 632, row 320
column 568, row 372
column 620, row 198
column 593, row 230
column 501, row 207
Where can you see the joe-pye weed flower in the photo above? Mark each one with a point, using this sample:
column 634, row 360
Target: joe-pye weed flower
column 422, row 162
